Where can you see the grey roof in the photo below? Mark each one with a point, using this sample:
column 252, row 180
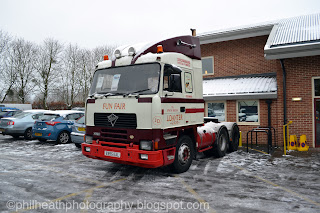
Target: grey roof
column 294, row 37
column 288, row 38
column 239, row 32
column 260, row 87
column 297, row 30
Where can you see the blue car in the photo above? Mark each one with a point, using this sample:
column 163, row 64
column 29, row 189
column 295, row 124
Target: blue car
column 56, row 125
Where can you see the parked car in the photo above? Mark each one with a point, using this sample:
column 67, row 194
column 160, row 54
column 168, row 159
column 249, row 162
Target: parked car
column 56, row 125
column 78, row 132
column 9, row 113
column 79, row 109
column 20, row 124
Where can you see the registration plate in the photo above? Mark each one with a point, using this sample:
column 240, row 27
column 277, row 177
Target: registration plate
column 81, row 129
column 112, row 154
column 38, row 134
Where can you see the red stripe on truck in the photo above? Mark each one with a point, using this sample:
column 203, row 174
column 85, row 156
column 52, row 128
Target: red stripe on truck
column 195, row 110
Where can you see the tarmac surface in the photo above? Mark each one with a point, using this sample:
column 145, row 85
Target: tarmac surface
column 46, row 177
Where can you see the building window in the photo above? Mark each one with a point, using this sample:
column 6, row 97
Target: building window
column 316, row 87
column 248, row 112
column 207, row 65
column 216, row 110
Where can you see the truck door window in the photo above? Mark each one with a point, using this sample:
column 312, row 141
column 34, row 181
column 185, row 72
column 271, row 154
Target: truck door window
column 172, row 79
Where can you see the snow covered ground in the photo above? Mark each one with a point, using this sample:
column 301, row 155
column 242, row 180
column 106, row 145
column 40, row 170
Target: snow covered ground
column 58, row 178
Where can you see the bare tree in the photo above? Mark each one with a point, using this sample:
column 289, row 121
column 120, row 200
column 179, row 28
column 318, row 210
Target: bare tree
column 47, row 66
column 70, row 75
column 5, row 80
column 20, row 65
column 86, row 73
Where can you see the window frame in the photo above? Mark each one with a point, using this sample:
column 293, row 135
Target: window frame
column 212, row 65
column 225, row 109
column 248, row 123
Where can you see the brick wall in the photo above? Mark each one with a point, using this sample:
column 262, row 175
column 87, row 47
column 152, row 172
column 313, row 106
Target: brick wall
column 246, row 56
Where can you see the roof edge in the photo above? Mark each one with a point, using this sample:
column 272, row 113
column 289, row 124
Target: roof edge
column 234, row 34
column 271, row 74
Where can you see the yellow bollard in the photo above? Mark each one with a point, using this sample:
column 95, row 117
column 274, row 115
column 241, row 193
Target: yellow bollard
column 292, row 142
column 240, row 139
column 303, row 143
column 285, row 136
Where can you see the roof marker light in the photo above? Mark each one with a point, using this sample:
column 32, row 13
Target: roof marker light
column 131, row 51
column 106, row 57
column 159, row 49
column 117, row 54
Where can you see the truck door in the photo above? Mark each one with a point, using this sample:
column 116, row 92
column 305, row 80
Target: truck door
column 172, row 100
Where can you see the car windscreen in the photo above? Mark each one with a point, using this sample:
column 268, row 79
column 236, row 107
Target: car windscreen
column 138, row 78
column 49, row 117
column 21, row 114
column 81, row 120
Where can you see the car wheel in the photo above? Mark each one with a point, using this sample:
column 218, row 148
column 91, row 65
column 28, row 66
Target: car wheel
column 184, row 154
column 221, row 144
column 28, row 134
column 78, row 145
column 64, row 137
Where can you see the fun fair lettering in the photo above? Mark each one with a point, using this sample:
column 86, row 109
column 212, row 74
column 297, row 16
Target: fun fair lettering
column 114, row 106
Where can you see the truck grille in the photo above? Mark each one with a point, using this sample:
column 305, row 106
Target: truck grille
column 116, row 120
column 114, row 135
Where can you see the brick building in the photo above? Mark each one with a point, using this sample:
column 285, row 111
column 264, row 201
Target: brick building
column 276, row 64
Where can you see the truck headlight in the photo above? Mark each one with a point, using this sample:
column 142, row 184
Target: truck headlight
column 89, row 139
column 146, row 145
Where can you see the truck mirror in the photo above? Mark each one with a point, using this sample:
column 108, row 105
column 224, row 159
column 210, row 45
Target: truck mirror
column 175, row 83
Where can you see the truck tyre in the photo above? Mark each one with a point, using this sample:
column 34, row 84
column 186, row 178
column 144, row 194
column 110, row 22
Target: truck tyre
column 28, row 134
column 234, row 144
column 184, row 154
column 221, row 144
column 63, row 137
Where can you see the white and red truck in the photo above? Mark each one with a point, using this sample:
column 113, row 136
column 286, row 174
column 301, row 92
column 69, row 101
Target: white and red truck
column 146, row 108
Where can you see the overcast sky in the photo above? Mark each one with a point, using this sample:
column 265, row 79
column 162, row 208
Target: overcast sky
column 91, row 23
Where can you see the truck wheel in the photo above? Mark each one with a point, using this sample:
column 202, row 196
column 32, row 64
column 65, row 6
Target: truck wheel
column 221, row 144
column 63, row 137
column 234, row 144
column 184, row 154
column 28, row 134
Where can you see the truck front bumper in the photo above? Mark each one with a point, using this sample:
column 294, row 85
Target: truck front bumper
column 128, row 154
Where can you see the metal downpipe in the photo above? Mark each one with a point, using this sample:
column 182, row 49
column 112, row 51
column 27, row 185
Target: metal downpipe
column 284, row 92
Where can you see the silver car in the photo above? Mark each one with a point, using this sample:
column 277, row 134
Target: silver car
column 78, row 132
column 20, row 124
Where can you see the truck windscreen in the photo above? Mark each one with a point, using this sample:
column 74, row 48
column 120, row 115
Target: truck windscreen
column 138, row 78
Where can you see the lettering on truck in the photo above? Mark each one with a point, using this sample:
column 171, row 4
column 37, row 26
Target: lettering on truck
column 114, row 106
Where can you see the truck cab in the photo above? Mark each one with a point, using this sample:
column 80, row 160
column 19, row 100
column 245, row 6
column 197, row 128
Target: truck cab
column 145, row 105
